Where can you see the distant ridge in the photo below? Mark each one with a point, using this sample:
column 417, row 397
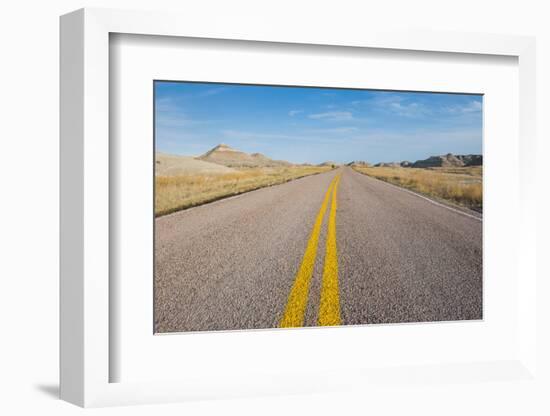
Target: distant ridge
column 225, row 155
column 328, row 163
column 359, row 163
column 441, row 161
column 449, row 160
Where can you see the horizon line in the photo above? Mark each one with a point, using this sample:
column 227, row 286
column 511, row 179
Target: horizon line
column 313, row 163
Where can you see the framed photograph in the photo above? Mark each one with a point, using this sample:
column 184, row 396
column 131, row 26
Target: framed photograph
column 303, row 232
column 244, row 213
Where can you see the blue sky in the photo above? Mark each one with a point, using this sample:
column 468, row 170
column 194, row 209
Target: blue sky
column 315, row 124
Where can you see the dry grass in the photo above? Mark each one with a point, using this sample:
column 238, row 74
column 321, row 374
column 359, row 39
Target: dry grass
column 462, row 186
column 174, row 193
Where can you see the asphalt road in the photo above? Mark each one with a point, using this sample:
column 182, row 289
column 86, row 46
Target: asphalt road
column 330, row 249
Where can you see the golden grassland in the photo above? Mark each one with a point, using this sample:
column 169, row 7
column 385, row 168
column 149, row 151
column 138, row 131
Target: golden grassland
column 458, row 185
column 174, row 193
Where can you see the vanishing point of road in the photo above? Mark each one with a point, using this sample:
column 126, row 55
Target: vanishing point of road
column 335, row 248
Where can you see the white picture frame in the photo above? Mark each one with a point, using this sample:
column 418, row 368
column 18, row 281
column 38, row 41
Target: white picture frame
column 85, row 219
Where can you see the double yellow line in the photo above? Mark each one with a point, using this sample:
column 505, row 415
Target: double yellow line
column 329, row 306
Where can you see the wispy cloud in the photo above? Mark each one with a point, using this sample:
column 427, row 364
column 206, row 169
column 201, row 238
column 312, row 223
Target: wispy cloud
column 242, row 134
column 178, row 121
column 406, row 106
column 310, row 136
column 336, row 130
column 400, row 105
column 410, row 109
column 473, row 106
column 165, row 104
column 293, row 113
column 170, row 114
column 212, row 91
column 332, row 116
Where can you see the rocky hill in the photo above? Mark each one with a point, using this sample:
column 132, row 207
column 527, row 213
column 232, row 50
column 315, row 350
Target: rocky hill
column 225, row 155
column 471, row 160
column 449, row 160
column 388, row 165
column 174, row 165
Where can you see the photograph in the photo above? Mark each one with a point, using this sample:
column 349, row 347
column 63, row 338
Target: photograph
column 295, row 206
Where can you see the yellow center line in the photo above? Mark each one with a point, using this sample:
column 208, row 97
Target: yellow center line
column 298, row 297
column 329, row 307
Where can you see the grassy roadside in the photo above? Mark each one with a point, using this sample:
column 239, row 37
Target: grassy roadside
column 461, row 186
column 174, row 193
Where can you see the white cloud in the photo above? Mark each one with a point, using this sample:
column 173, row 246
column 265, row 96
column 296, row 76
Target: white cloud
column 332, row 116
column 293, row 113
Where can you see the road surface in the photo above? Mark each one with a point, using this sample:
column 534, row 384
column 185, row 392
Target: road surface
column 330, row 249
